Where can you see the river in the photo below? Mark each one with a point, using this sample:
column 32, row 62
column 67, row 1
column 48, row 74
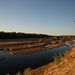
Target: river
column 14, row 63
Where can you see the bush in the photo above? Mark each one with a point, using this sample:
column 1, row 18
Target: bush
column 40, row 41
column 56, row 59
column 66, row 53
column 51, row 38
column 18, row 73
column 28, row 71
column 55, row 38
column 7, row 74
column 60, row 55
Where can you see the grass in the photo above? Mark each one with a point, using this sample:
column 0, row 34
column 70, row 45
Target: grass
column 40, row 41
column 18, row 73
column 27, row 71
column 7, row 74
column 57, row 59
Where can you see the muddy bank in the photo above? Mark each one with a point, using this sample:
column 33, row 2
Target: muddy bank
column 35, row 49
column 22, row 46
column 70, row 42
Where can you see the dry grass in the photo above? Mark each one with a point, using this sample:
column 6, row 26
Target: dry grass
column 66, row 66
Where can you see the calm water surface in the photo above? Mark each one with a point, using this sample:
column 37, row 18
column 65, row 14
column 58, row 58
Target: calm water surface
column 15, row 63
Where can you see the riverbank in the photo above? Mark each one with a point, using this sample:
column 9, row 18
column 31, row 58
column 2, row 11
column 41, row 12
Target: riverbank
column 70, row 42
column 26, row 46
column 35, row 49
column 65, row 67
column 33, row 60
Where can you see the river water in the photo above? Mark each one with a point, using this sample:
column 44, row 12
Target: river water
column 14, row 63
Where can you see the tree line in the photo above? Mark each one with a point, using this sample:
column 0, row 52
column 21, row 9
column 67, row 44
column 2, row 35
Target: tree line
column 15, row 35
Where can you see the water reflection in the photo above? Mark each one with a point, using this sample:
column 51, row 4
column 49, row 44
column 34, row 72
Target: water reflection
column 15, row 63
column 2, row 58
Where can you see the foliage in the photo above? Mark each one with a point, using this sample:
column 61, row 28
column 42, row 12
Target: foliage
column 18, row 73
column 40, row 41
column 66, row 53
column 63, row 39
column 14, row 35
column 28, row 71
column 63, row 63
column 56, row 59
column 60, row 55
column 54, row 38
column 7, row 74
column 51, row 38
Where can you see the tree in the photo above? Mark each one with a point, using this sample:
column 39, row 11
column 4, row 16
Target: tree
column 74, row 21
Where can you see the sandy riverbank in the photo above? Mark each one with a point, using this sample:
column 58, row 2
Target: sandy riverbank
column 66, row 66
column 35, row 49
column 70, row 42
column 25, row 46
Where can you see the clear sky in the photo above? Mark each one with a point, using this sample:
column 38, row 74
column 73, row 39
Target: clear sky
column 54, row 17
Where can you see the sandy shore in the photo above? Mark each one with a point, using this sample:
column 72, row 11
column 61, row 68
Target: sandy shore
column 70, row 42
column 26, row 46
column 66, row 66
column 35, row 49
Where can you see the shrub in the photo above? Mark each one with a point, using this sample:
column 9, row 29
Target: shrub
column 28, row 71
column 66, row 53
column 63, row 39
column 56, row 59
column 40, row 41
column 63, row 63
column 55, row 38
column 51, row 38
column 60, row 55
column 7, row 74
column 18, row 73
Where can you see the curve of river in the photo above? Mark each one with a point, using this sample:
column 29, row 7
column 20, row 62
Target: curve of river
column 15, row 63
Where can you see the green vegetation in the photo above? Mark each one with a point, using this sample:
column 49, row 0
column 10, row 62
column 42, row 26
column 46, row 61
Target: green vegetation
column 54, row 38
column 7, row 74
column 18, row 73
column 40, row 41
column 60, row 55
column 63, row 38
column 28, row 71
column 66, row 54
column 57, row 59
column 14, row 35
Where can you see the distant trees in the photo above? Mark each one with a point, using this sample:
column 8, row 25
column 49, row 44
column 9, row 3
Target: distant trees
column 14, row 35
column 74, row 21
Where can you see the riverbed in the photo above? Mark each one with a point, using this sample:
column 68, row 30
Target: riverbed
column 14, row 63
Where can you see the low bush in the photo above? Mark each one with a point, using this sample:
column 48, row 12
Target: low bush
column 56, row 59
column 28, row 71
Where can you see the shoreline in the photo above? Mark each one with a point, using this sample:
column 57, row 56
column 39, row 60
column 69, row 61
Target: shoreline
column 33, row 50
column 60, row 69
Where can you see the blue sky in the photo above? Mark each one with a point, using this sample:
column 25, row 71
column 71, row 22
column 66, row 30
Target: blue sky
column 54, row 17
